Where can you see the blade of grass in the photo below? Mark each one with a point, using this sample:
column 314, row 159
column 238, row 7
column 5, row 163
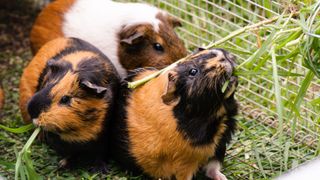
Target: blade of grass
column 236, row 51
column 293, row 36
column 298, row 100
column 30, row 171
column 21, row 158
column 7, row 165
column 139, row 82
column 242, row 30
column 302, row 92
column 266, row 73
column 224, row 87
column 286, row 155
column 277, row 91
column 315, row 102
column 21, row 129
column 264, row 48
column 256, row 153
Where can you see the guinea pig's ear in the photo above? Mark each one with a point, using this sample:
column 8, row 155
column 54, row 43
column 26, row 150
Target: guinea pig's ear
column 175, row 22
column 98, row 90
column 168, row 97
column 132, row 39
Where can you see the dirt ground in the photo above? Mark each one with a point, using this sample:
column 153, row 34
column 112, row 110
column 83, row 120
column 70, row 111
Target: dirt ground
column 15, row 24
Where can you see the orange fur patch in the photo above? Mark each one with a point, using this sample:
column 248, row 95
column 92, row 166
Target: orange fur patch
column 31, row 74
column 49, row 23
column 158, row 147
column 76, row 57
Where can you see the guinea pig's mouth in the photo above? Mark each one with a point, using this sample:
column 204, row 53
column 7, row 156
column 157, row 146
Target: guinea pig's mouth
column 44, row 126
column 232, row 85
column 35, row 122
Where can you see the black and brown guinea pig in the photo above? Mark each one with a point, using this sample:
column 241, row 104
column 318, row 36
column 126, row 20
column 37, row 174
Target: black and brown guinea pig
column 180, row 121
column 68, row 90
column 132, row 35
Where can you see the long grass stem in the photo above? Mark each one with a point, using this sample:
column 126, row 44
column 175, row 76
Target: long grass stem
column 139, row 82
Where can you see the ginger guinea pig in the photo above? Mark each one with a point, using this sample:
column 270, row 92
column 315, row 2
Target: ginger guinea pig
column 180, row 121
column 68, row 90
column 132, row 35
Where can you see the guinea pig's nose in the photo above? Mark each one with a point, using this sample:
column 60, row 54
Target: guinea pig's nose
column 38, row 103
column 35, row 121
column 230, row 58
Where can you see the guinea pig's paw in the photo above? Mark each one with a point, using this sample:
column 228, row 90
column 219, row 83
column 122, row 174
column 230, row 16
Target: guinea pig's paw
column 66, row 163
column 63, row 163
column 213, row 171
column 99, row 166
column 215, row 175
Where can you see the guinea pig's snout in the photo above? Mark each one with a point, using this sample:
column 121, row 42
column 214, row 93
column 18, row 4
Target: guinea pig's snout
column 35, row 121
column 38, row 103
column 231, row 59
column 228, row 58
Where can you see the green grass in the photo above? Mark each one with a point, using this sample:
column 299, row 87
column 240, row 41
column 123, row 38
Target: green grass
column 271, row 138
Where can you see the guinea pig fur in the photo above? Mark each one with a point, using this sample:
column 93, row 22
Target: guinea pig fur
column 180, row 121
column 68, row 89
column 132, row 35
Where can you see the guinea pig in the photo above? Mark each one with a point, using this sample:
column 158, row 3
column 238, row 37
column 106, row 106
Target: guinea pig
column 132, row 35
column 180, row 121
column 68, row 89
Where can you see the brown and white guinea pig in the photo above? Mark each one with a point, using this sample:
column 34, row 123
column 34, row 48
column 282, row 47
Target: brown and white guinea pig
column 132, row 35
column 68, row 90
column 180, row 121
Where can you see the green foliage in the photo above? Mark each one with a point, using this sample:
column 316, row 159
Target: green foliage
column 24, row 166
column 273, row 87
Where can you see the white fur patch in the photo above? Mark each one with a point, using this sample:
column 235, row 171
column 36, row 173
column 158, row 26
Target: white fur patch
column 213, row 165
column 213, row 170
column 99, row 21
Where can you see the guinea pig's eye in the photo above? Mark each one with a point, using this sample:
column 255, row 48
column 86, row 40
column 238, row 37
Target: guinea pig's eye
column 65, row 100
column 193, row 72
column 158, row 47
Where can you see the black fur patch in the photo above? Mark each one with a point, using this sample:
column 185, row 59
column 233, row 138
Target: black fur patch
column 82, row 154
column 118, row 131
column 40, row 101
column 93, row 70
column 200, row 99
column 53, row 75
column 75, row 45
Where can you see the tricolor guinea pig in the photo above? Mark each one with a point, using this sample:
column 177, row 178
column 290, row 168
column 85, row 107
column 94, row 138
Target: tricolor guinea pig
column 132, row 35
column 180, row 121
column 68, row 90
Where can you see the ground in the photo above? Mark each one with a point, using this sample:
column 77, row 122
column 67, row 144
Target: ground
column 256, row 152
